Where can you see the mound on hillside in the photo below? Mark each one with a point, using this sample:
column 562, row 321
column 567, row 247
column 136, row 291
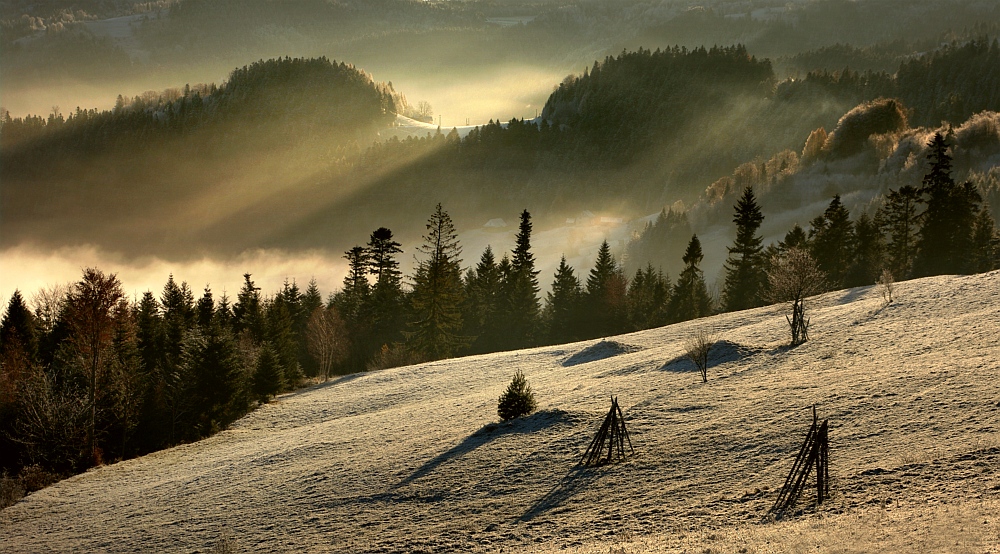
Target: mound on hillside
column 601, row 350
column 411, row 459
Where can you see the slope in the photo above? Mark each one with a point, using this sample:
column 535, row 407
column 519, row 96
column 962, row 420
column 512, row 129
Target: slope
column 411, row 459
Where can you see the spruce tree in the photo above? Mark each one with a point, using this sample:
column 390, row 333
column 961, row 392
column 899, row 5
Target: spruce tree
column 387, row 292
column 605, row 300
column 832, row 242
column 899, row 219
column 482, row 296
column 563, row 306
column 268, row 377
column 945, row 241
column 205, row 309
column 689, row 299
column 745, row 277
column 869, row 253
column 353, row 303
column 524, row 303
column 248, row 314
column 436, row 300
column 648, row 299
column 985, row 243
column 17, row 328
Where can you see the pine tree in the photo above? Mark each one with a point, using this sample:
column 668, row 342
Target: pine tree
column 689, row 299
column 795, row 238
column 248, row 313
column 869, row 253
column 437, row 292
column 899, row 219
column 387, row 292
column 832, row 242
column 745, row 277
column 518, row 400
column 648, row 299
column 605, row 308
column 17, row 329
column 281, row 335
column 523, row 289
column 985, row 243
column 563, row 306
column 481, row 305
column 945, row 240
column 205, row 309
column 268, row 377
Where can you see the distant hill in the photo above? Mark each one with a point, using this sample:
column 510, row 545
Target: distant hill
column 156, row 155
column 414, row 459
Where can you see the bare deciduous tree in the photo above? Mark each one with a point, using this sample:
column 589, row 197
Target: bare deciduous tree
column 697, row 348
column 793, row 277
column 326, row 339
column 886, row 284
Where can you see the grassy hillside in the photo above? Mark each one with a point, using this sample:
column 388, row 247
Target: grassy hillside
column 412, row 459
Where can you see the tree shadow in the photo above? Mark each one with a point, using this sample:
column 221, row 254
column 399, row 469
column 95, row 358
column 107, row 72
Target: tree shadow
column 489, row 432
column 722, row 352
column 324, row 384
column 575, row 480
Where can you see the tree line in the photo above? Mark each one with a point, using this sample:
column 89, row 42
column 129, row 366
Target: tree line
column 90, row 376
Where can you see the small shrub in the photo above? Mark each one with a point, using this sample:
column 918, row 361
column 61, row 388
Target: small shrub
column 518, row 400
column 697, row 349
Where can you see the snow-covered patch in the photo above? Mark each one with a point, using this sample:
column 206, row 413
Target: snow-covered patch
column 414, row 459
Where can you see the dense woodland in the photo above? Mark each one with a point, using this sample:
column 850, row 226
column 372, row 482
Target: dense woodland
column 89, row 376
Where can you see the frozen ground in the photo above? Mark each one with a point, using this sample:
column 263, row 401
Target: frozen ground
column 413, row 460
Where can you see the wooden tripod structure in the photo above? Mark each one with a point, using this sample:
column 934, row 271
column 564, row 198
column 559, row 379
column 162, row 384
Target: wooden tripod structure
column 814, row 452
column 614, row 434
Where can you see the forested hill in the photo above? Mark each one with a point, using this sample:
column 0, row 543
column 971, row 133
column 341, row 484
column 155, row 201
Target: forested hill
column 202, row 153
column 626, row 104
column 293, row 97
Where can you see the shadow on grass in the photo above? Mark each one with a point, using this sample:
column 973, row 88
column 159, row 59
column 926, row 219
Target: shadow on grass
column 333, row 381
column 491, row 431
column 575, row 480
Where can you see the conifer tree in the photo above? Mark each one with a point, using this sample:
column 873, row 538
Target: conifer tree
column 985, row 243
column 648, row 299
column 945, row 240
column 900, row 220
column 17, row 329
column 205, row 309
column 794, row 238
column 563, row 306
column 523, row 289
column 281, row 335
column 832, row 242
column 689, row 299
column 268, row 377
column 481, row 305
column 605, row 300
column 869, row 253
column 248, row 314
column 387, row 292
column 745, row 277
column 436, row 324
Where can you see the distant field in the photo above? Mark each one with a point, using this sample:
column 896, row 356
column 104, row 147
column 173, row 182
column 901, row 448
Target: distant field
column 413, row 460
